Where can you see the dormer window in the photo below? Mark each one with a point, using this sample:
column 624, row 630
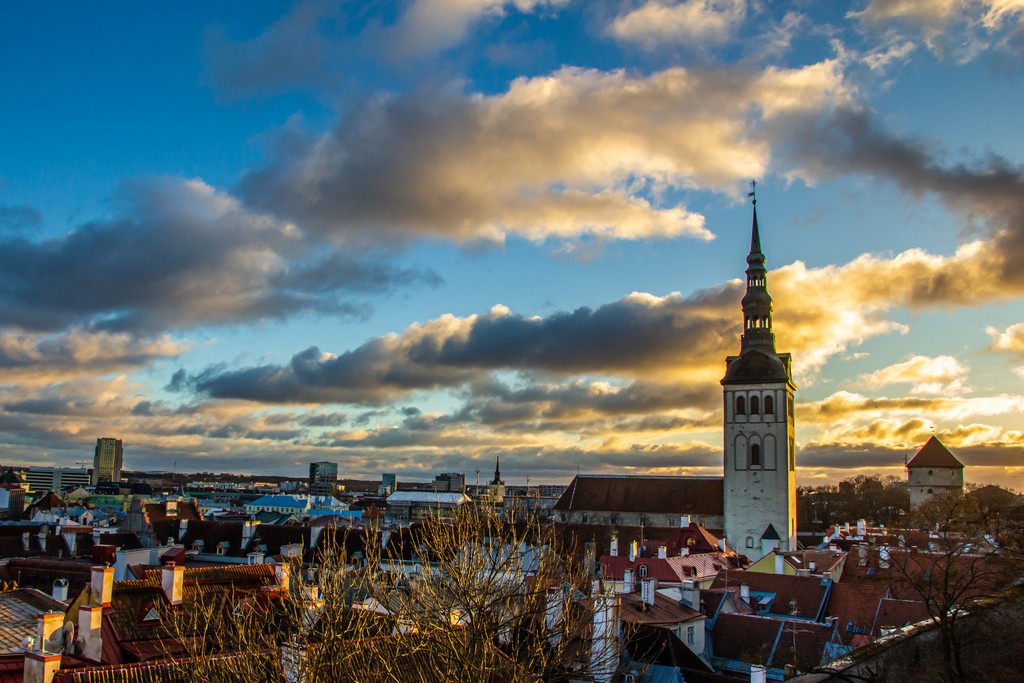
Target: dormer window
column 643, row 571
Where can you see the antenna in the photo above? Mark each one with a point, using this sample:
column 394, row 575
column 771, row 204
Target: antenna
column 753, row 191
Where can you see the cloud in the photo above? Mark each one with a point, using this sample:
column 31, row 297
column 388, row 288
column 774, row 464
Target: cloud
column 47, row 358
column 432, row 26
column 178, row 254
column 18, row 218
column 841, row 407
column 928, row 375
column 689, row 23
column 299, row 50
column 956, row 28
column 1010, row 340
column 578, row 152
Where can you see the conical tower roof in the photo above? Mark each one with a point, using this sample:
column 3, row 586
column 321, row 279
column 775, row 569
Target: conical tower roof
column 934, row 454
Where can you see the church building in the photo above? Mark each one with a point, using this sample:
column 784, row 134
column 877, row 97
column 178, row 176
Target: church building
column 759, row 441
column 754, row 503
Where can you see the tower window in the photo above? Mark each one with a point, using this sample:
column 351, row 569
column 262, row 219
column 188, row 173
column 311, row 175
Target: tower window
column 741, row 406
column 769, row 405
column 755, row 455
column 755, row 405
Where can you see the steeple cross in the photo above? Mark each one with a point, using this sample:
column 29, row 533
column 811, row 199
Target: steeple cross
column 753, row 191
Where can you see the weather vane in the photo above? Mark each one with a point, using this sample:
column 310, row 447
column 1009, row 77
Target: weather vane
column 753, row 191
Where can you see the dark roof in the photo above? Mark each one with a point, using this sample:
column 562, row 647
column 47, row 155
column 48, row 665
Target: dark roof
column 756, row 366
column 934, row 454
column 770, row 534
column 655, row 645
column 767, row 640
column 800, row 596
column 664, row 611
column 644, row 494
column 855, row 607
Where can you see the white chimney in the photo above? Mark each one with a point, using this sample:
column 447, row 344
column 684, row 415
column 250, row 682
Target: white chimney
column 684, row 551
column 662, row 552
column 745, row 593
column 648, row 587
column 291, row 550
column 634, row 550
column 862, row 527
column 812, row 566
column 90, row 632
column 283, row 573
column 780, row 563
column 255, row 557
column 613, row 547
column 554, row 611
column 48, row 632
column 97, row 537
column 172, row 580
column 102, row 585
column 248, row 531
column 757, row 674
column 883, row 557
column 627, row 580
column 684, row 521
column 314, row 534
column 60, row 590
column 604, row 649
column 40, row 667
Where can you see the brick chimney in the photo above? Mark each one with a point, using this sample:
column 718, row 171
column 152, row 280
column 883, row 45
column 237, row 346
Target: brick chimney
column 172, row 580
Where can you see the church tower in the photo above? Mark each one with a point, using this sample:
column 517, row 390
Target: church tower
column 759, row 444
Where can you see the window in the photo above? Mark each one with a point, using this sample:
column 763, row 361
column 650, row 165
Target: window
column 689, row 635
column 755, row 406
column 755, row 455
column 643, row 571
column 769, row 405
column 741, row 406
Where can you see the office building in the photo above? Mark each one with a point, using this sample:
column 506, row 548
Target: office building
column 107, row 462
column 323, row 478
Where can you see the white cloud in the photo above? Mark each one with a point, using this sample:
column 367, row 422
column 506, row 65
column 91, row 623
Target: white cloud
column 691, row 22
column 926, row 374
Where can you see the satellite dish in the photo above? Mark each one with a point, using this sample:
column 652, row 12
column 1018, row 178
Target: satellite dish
column 28, row 643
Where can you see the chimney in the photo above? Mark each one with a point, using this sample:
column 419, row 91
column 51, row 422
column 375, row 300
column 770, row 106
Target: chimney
column 634, row 550
column 60, row 590
column 554, row 611
column 862, row 527
column 40, row 667
column 883, row 557
column 613, row 547
column 314, row 534
column 604, row 649
column 26, row 540
column 780, row 563
column 690, row 594
column 48, row 632
column 627, row 580
column 283, row 573
column 182, row 528
column 662, row 552
column 172, row 580
column 102, row 585
column 248, row 531
column 812, row 566
column 291, row 550
column 745, row 593
column 648, row 587
column 684, row 551
column 684, row 521
column 757, row 674
column 256, row 557
column 97, row 537
column 90, row 632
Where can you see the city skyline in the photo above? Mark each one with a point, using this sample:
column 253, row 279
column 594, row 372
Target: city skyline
column 414, row 237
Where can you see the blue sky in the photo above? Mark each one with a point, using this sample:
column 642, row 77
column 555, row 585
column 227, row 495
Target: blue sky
column 416, row 236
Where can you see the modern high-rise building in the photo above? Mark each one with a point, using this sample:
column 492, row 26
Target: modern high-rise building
column 323, row 478
column 760, row 447
column 57, row 479
column 388, row 483
column 450, row 482
column 107, row 462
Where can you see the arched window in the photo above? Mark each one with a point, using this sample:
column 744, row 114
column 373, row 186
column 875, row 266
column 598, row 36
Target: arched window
column 755, row 405
column 755, row 455
column 769, row 405
column 741, row 406
column 643, row 571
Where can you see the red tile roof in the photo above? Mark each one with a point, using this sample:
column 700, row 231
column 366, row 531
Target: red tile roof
column 801, row 596
column 934, row 454
column 770, row 641
column 664, row 612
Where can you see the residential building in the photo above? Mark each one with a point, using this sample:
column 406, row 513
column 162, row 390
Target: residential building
column 323, row 478
column 108, row 460
column 934, row 470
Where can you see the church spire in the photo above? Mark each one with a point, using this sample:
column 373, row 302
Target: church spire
column 757, row 303
column 497, row 471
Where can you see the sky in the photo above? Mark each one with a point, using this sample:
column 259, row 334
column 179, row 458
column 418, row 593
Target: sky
column 418, row 236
